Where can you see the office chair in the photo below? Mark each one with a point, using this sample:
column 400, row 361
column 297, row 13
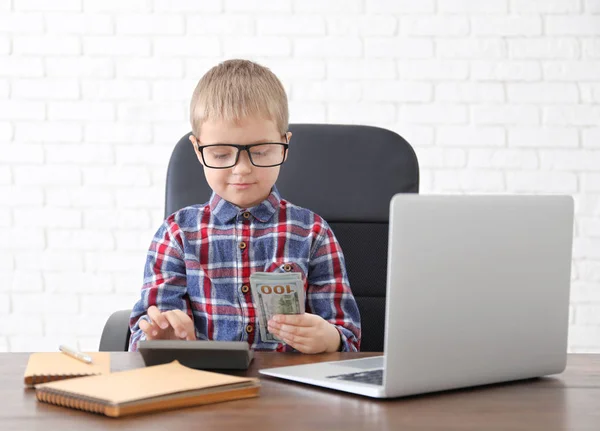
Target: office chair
column 345, row 173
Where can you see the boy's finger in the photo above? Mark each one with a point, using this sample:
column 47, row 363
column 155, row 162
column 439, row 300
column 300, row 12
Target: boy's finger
column 183, row 316
column 176, row 323
column 150, row 330
column 188, row 324
column 294, row 339
column 301, row 347
column 291, row 319
column 303, row 331
column 158, row 317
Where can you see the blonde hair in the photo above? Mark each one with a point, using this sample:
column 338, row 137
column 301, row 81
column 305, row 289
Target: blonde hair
column 235, row 89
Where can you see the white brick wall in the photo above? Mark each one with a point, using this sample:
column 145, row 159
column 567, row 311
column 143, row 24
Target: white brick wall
column 495, row 96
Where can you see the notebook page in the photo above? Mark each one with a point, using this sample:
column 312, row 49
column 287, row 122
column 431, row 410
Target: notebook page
column 57, row 363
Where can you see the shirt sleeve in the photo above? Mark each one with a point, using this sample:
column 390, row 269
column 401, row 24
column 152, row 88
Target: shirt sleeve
column 328, row 291
column 165, row 282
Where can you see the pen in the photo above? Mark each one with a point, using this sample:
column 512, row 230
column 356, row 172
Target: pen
column 75, row 354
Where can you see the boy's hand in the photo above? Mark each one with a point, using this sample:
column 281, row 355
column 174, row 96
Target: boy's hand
column 168, row 325
column 307, row 333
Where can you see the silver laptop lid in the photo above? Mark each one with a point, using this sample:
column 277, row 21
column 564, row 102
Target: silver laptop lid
column 479, row 287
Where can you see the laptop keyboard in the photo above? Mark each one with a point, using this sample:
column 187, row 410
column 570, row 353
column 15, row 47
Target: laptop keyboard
column 373, row 377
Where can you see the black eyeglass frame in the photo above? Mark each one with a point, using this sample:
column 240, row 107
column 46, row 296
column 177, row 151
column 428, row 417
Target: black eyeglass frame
column 241, row 148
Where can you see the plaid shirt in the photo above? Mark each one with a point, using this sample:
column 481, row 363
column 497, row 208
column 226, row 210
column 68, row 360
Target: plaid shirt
column 201, row 258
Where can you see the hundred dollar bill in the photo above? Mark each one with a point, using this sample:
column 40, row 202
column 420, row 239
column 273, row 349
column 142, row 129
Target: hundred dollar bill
column 276, row 293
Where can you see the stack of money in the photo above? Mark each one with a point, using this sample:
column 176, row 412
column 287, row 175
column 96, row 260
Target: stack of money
column 276, row 293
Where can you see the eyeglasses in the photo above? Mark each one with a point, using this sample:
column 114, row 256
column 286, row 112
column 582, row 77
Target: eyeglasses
column 263, row 155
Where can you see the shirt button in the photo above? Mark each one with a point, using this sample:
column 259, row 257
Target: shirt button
column 245, row 288
column 246, row 215
column 287, row 267
column 249, row 329
column 242, row 245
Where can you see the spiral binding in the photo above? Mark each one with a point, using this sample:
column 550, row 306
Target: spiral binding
column 37, row 379
column 62, row 399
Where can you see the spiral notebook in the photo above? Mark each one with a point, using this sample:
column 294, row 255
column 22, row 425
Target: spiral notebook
column 150, row 389
column 45, row 367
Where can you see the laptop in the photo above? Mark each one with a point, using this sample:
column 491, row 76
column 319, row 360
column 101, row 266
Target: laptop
column 477, row 293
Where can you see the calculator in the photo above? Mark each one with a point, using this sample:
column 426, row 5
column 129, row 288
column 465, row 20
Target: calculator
column 198, row 354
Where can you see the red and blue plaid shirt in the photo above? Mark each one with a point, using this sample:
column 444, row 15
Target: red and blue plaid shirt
column 201, row 258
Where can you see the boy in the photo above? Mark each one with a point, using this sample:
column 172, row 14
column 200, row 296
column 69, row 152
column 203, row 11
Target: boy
column 197, row 272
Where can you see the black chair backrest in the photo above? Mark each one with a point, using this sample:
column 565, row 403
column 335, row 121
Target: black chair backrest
column 345, row 173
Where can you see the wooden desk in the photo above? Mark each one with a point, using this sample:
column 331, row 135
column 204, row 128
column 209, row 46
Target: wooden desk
column 569, row 401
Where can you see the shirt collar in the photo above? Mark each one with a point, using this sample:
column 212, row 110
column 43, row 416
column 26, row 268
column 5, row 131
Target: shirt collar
column 225, row 211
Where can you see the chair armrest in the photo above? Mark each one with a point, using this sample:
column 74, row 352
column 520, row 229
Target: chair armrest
column 115, row 336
